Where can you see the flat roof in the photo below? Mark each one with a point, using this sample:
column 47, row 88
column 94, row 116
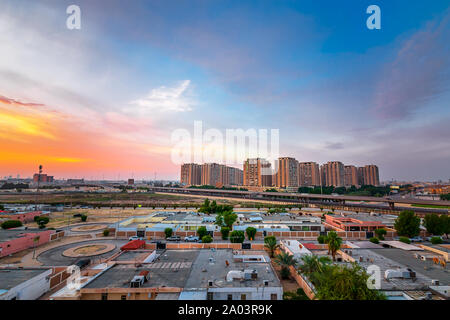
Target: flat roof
column 12, row 277
column 170, row 269
column 426, row 268
column 7, row 235
column 210, row 265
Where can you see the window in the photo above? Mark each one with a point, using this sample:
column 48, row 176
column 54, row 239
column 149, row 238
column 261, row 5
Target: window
column 104, row 296
column 243, row 297
column 123, row 297
column 273, row 296
column 209, row 296
column 230, row 297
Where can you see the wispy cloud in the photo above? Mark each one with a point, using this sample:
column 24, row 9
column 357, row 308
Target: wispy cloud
column 164, row 99
column 419, row 73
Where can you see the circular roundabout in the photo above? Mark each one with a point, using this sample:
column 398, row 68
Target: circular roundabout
column 90, row 228
column 89, row 250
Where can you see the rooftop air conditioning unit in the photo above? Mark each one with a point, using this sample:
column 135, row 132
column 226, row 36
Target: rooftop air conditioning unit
column 435, row 282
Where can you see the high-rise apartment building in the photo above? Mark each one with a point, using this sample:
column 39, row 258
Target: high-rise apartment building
column 287, row 173
column 333, row 174
column 308, row 174
column 371, row 175
column 351, row 176
column 230, row 176
column 257, row 173
column 191, row 174
column 210, row 174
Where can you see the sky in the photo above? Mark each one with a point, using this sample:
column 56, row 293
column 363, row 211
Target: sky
column 102, row 102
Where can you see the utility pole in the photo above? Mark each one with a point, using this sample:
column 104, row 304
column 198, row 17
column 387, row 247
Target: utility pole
column 38, row 182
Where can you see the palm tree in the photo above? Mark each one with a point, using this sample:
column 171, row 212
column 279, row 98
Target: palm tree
column 313, row 263
column 334, row 243
column 271, row 244
column 285, row 260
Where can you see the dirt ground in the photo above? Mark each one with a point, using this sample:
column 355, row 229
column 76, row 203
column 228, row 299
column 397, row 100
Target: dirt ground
column 289, row 284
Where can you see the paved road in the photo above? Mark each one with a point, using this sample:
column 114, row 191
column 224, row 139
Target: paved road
column 54, row 257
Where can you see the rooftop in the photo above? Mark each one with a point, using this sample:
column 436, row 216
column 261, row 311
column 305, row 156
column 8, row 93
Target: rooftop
column 210, row 265
column 170, row 269
column 9, row 278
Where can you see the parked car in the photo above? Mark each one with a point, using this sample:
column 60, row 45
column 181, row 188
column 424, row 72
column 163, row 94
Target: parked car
column 191, row 239
column 416, row 239
column 135, row 238
column 174, row 238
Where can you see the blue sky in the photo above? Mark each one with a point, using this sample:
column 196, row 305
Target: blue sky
column 336, row 90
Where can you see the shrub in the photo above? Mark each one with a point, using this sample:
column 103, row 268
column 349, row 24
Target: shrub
column 436, row 240
column 237, row 236
column 380, row 233
column 225, row 231
column 207, row 239
column 201, row 231
column 83, row 218
column 11, row 224
column 106, row 232
column 285, row 273
column 42, row 221
column 374, row 240
column 168, row 232
column 321, row 239
column 405, row 240
column 251, row 232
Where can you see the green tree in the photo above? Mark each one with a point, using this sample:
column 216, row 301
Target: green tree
column 285, row 260
column 405, row 240
column 201, row 231
column 225, row 231
column 83, row 217
column 407, row 224
column 42, row 221
column 106, row 232
column 374, row 240
column 270, row 242
column 251, row 232
column 339, row 282
column 229, row 218
column 334, row 243
column 436, row 240
column 321, row 239
column 380, row 233
column 445, row 221
column 168, row 232
column 207, row 239
column 295, row 295
column 433, row 224
column 312, row 264
column 8, row 224
column 2, row 207
column 237, row 236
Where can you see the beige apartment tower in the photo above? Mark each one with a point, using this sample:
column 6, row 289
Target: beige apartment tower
column 286, row 175
column 191, row 174
column 351, row 176
column 308, row 174
column 371, row 175
column 333, row 174
column 257, row 173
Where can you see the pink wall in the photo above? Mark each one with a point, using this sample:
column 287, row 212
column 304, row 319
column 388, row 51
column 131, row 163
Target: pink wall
column 24, row 242
column 23, row 217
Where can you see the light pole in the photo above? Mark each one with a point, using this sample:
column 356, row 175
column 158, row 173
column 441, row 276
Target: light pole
column 38, row 182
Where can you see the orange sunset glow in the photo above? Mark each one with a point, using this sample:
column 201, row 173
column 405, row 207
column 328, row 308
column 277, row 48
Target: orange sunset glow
column 33, row 135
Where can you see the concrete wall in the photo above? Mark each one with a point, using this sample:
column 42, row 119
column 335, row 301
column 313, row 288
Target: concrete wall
column 24, row 242
column 31, row 289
